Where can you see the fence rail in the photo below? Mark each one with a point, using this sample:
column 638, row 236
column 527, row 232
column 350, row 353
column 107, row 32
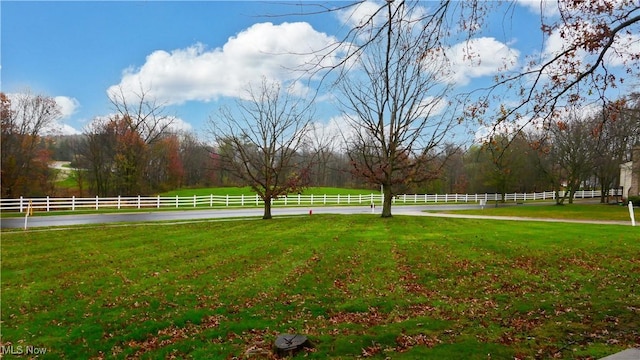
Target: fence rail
column 212, row 201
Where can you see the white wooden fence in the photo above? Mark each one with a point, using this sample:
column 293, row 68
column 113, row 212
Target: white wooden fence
column 145, row 202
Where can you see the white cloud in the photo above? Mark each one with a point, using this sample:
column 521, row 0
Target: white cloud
column 177, row 124
column 333, row 134
column 361, row 14
column 277, row 52
column 68, row 105
column 543, row 7
column 479, row 57
column 65, row 129
column 432, row 106
column 506, row 128
column 624, row 50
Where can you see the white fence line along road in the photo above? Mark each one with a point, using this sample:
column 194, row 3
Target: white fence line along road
column 49, row 204
column 181, row 216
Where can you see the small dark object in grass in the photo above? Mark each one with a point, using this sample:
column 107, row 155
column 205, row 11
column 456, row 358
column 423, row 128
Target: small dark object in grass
column 291, row 343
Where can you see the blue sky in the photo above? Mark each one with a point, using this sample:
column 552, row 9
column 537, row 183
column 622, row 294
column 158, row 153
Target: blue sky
column 195, row 56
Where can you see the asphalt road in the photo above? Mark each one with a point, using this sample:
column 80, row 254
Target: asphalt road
column 211, row 214
column 184, row 215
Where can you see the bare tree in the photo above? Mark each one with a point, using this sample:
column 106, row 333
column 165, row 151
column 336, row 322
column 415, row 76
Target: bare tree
column 393, row 100
column 599, row 51
column 506, row 162
column 117, row 148
column 320, row 148
column 573, row 151
column 142, row 115
column 197, row 160
column 262, row 138
column 24, row 118
column 617, row 129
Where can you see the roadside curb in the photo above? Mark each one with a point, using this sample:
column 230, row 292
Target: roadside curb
column 629, row 354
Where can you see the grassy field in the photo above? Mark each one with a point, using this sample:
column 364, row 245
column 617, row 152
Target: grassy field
column 575, row 211
column 357, row 286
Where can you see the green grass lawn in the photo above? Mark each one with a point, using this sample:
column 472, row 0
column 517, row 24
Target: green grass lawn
column 357, row 286
column 575, row 211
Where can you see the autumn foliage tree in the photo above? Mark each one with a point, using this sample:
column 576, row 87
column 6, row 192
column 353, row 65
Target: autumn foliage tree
column 166, row 170
column 598, row 55
column 118, row 151
column 25, row 159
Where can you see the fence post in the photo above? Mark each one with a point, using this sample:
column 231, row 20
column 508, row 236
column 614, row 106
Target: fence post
column 348, row 199
column 311, row 199
column 194, row 201
column 256, row 199
column 158, row 203
column 226, row 200
column 47, row 203
column 21, row 205
column 324, row 199
column 241, row 199
column 210, row 200
column 138, row 201
column 73, row 203
column 338, row 199
column 97, row 203
column 631, row 214
column 119, row 202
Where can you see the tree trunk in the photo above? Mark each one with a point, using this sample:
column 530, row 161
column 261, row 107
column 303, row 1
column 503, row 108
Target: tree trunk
column 572, row 191
column 267, row 209
column 387, row 200
column 560, row 199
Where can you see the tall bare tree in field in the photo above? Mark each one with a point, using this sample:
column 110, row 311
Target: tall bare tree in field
column 261, row 139
column 393, row 98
